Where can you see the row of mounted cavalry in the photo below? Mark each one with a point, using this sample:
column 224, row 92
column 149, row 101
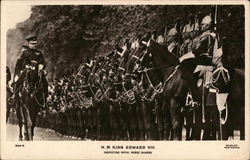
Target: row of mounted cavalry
column 147, row 94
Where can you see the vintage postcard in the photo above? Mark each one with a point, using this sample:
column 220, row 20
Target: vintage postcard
column 124, row 79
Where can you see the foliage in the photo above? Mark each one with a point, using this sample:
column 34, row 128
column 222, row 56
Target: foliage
column 67, row 34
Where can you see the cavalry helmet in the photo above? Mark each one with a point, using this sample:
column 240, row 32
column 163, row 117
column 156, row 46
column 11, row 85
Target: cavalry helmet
column 206, row 20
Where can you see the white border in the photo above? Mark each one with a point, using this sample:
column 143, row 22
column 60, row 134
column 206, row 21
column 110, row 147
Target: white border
column 91, row 149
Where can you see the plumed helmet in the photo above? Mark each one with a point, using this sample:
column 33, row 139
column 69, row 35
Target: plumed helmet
column 206, row 20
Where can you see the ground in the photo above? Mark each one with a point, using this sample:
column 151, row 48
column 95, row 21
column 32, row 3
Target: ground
column 41, row 134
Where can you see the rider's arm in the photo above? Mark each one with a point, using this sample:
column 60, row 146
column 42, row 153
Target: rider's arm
column 20, row 64
column 42, row 62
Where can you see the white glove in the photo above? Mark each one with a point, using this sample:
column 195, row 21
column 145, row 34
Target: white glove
column 16, row 78
column 123, row 76
column 40, row 67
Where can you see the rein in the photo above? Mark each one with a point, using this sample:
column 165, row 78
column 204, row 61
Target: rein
column 156, row 68
column 160, row 87
column 43, row 96
column 129, row 94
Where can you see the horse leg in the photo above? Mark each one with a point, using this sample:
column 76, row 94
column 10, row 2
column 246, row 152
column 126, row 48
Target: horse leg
column 242, row 128
column 25, row 119
column 80, row 129
column 33, row 121
column 20, row 131
column 187, row 132
column 160, row 115
column 29, row 126
column 242, row 133
column 79, row 123
column 159, row 123
column 20, row 123
column 144, row 121
column 26, row 133
column 177, row 120
column 189, row 117
column 215, row 124
column 197, row 125
column 208, row 132
column 7, row 114
column 167, row 126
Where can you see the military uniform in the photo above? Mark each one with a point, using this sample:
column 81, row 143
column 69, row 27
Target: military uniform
column 207, row 51
column 188, row 33
column 172, row 43
column 33, row 59
column 204, row 47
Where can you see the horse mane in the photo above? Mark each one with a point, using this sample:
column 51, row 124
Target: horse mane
column 188, row 65
column 162, row 55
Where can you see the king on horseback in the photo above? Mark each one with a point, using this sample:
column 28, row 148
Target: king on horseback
column 30, row 58
column 30, row 87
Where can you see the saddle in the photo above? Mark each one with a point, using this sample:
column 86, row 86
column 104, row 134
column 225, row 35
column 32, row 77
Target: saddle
column 220, row 79
column 216, row 81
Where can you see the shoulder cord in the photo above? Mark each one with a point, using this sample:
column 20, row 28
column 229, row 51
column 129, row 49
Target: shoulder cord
column 220, row 70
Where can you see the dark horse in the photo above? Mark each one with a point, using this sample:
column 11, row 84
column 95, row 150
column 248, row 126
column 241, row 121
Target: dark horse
column 30, row 97
column 236, row 104
column 9, row 100
column 178, row 79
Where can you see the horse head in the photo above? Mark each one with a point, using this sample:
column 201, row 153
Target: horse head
column 161, row 54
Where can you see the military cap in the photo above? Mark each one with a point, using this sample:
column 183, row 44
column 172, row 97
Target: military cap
column 31, row 39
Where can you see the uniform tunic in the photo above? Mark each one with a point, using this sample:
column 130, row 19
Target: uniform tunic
column 26, row 59
column 203, row 47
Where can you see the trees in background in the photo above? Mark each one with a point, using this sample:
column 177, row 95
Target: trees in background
column 67, row 34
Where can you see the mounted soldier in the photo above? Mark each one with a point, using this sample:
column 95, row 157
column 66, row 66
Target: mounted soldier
column 160, row 37
column 29, row 59
column 188, row 33
column 208, row 51
column 173, row 38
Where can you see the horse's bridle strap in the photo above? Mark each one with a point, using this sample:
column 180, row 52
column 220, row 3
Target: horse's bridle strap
column 156, row 68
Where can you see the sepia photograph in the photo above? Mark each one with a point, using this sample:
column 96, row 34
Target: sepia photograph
column 124, row 74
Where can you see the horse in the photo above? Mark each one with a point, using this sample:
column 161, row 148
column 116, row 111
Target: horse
column 9, row 93
column 178, row 79
column 183, row 79
column 235, row 104
column 152, row 98
column 9, row 101
column 31, row 96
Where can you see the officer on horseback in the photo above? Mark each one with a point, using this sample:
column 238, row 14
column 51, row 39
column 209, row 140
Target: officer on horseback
column 173, row 39
column 29, row 59
column 188, row 33
column 208, row 51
